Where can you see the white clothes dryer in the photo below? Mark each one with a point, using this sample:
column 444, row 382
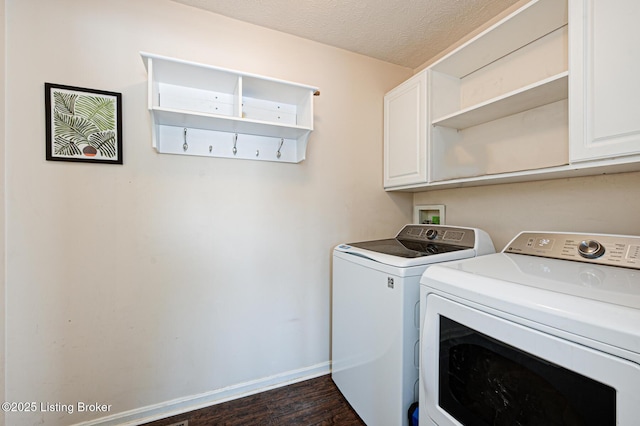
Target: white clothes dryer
column 376, row 317
column 545, row 332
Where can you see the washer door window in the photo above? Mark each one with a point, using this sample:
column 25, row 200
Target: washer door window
column 483, row 370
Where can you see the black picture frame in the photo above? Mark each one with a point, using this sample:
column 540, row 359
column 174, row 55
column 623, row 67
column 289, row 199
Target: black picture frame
column 83, row 125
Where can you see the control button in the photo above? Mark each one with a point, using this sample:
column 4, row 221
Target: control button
column 544, row 243
column 633, row 252
column 431, row 234
column 590, row 249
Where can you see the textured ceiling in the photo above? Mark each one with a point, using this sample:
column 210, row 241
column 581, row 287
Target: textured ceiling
column 403, row 32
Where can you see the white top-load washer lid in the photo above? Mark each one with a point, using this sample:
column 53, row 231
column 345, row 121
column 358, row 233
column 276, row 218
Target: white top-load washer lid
column 417, row 245
column 543, row 280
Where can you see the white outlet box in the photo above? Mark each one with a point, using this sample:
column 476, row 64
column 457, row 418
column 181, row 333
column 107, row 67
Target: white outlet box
column 429, row 213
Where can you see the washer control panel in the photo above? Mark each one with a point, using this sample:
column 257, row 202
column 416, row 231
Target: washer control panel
column 603, row 249
column 463, row 237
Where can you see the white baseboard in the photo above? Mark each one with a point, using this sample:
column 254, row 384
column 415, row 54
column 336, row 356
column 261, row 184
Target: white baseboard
column 194, row 402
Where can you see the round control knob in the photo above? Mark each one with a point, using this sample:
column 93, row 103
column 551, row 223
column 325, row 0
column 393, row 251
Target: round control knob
column 431, row 234
column 590, row 249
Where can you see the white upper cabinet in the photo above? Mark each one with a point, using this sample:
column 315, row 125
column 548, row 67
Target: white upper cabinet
column 605, row 79
column 198, row 109
column 405, row 133
column 533, row 97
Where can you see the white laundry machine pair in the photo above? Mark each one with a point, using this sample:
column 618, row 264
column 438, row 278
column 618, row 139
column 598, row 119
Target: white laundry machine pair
column 376, row 315
column 545, row 332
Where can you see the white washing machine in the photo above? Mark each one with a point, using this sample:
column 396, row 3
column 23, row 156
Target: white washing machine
column 545, row 332
column 376, row 319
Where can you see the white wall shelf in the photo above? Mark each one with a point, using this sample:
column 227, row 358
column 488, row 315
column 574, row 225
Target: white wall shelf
column 199, row 109
column 173, row 117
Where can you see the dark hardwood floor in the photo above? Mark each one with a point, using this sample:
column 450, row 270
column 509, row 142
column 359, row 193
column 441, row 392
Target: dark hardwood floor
column 312, row 402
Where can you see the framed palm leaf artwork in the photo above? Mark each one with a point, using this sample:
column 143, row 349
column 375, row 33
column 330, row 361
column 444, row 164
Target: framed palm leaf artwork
column 83, row 124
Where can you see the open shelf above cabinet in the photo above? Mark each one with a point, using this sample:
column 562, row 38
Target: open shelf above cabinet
column 199, row 109
column 531, row 22
column 547, row 91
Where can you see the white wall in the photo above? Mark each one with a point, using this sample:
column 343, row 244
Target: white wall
column 173, row 276
column 595, row 204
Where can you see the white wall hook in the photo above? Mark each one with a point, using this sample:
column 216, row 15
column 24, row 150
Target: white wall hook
column 278, row 154
column 185, row 145
column 235, row 141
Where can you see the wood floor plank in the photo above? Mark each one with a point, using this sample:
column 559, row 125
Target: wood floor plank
column 315, row 402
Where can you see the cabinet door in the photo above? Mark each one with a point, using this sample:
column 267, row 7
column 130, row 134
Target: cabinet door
column 405, row 136
column 604, row 78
